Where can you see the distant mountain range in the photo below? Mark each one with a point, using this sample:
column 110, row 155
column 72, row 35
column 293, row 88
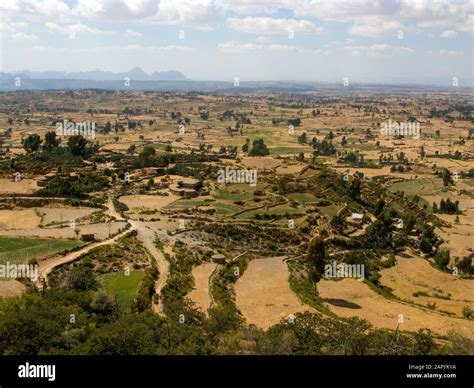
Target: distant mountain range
column 136, row 74
column 174, row 81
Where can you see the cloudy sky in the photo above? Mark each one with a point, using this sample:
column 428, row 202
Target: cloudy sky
column 321, row 40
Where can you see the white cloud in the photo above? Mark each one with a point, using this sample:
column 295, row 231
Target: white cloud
column 74, row 29
column 368, row 18
column 19, row 25
column 376, row 50
column 265, row 25
column 365, row 14
column 449, row 34
column 36, row 10
column 373, row 30
column 467, row 25
column 251, row 7
column 9, row 31
column 24, row 36
column 125, row 50
column 234, row 47
column 451, row 53
column 115, row 9
column 133, row 34
column 263, row 40
column 192, row 13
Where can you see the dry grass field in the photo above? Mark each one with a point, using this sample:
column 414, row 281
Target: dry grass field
column 18, row 219
column 200, row 293
column 263, row 293
column 349, row 297
column 412, row 275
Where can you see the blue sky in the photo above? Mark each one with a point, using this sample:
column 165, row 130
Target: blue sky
column 322, row 40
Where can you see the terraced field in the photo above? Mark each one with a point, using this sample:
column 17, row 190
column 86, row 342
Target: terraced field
column 20, row 250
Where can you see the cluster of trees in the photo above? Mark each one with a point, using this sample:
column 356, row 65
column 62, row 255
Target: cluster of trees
column 399, row 168
column 118, row 127
column 32, row 142
column 74, row 186
column 323, row 148
column 446, row 206
column 83, row 321
column 204, row 114
column 175, row 115
column 131, row 111
column 149, row 158
column 77, row 145
column 353, row 158
column 240, row 117
column 296, row 122
column 259, row 148
column 229, row 150
column 378, row 235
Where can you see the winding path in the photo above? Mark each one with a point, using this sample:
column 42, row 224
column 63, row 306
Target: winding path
column 46, row 266
column 147, row 237
column 144, row 234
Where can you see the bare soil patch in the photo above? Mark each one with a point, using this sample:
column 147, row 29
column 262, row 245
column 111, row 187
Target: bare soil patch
column 17, row 219
column 148, row 202
column 100, row 230
column 24, row 186
column 63, row 214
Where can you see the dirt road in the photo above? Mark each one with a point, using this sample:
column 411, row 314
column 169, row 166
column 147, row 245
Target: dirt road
column 46, row 266
column 147, row 237
column 144, row 234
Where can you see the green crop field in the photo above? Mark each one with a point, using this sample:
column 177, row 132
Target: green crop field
column 187, row 203
column 19, row 250
column 288, row 150
column 277, row 210
column 227, row 194
column 227, row 208
column 419, row 186
column 123, row 287
column 330, row 210
column 303, row 197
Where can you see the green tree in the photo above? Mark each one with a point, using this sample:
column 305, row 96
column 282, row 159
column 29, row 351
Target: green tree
column 303, row 139
column 379, row 206
column 447, row 178
column 316, row 257
column 80, row 279
column 32, row 143
column 354, row 188
column 51, row 141
column 442, row 259
column 146, row 158
column 259, row 148
column 131, row 149
column 246, row 146
column 77, row 145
